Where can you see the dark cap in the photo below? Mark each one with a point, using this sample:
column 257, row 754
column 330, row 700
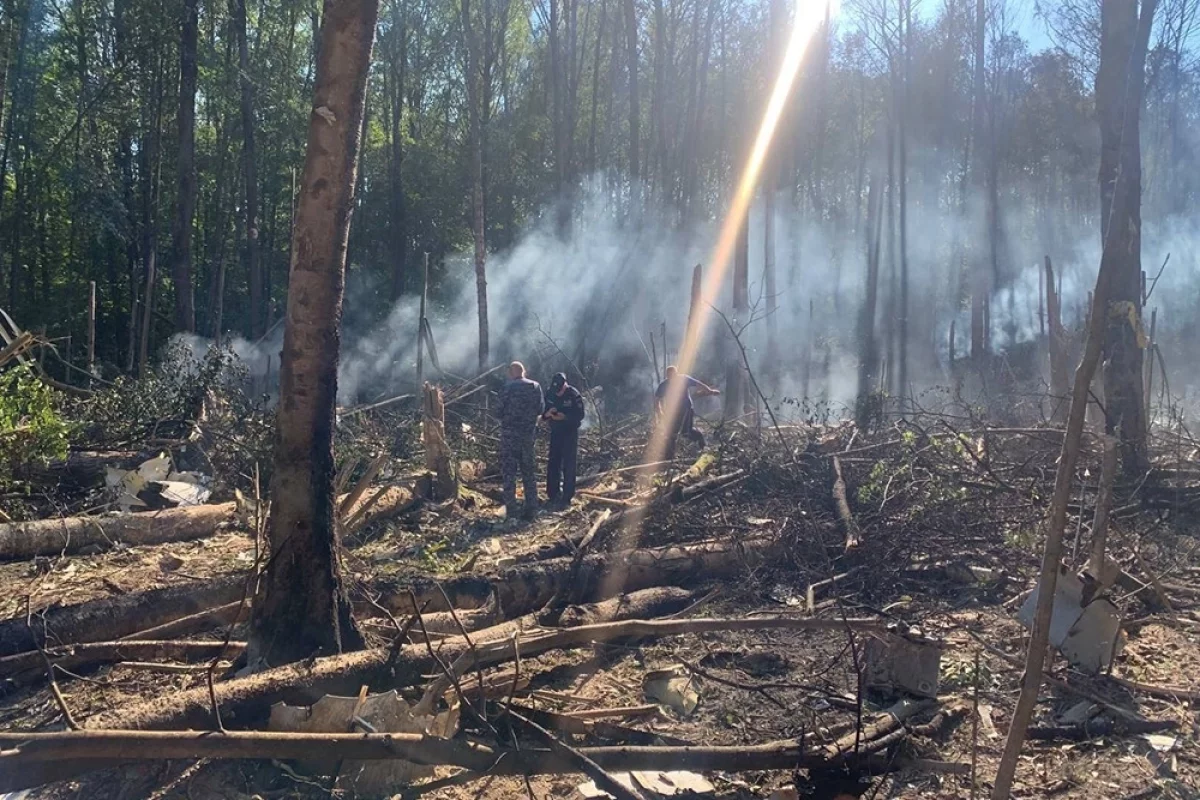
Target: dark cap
column 558, row 380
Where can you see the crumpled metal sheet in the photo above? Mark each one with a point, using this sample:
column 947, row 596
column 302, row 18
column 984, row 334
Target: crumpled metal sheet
column 384, row 713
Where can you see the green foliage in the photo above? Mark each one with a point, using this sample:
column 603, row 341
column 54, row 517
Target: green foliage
column 31, row 428
column 959, row 674
column 166, row 403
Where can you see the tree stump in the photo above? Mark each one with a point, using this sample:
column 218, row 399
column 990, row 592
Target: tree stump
column 433, row 436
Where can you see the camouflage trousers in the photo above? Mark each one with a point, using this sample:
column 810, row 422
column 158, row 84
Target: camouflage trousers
column 516, row 455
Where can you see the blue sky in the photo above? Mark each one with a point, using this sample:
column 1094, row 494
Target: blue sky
column 1022, row 13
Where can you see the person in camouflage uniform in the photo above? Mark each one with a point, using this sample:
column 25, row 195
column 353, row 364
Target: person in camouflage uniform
column 521, row 404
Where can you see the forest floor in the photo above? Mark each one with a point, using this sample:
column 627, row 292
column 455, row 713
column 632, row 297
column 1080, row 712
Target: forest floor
column 950, row 515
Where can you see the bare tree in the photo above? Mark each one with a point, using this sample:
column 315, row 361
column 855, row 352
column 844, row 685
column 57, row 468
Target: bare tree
column 474, row 114
column 980, row 285
column 395, row 83
column 181, row 235
column 258, row 303
column 629, row 9
column 1120, row 85
column 301, row 607
column 868, row 346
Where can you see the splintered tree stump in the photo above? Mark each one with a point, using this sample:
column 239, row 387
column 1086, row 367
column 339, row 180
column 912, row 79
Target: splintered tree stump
column 849, row 525
column 438, row 458
column 1060, row 379
column 49, row 537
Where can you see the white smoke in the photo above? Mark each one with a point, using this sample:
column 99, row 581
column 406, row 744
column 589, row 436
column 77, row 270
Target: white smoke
column 591, row 299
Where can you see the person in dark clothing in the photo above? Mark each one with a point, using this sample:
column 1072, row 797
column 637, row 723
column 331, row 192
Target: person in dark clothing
column 564, row 413
column 674, row 397
column 518, row 411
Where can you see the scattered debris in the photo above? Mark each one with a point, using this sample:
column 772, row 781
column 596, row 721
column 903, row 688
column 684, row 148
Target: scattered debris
column 661, row 784
column 1089, row 636
column 674, row 687
column 903, row 660
column 367, row 713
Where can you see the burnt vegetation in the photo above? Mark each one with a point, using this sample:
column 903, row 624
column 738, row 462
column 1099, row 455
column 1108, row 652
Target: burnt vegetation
column 936, row 531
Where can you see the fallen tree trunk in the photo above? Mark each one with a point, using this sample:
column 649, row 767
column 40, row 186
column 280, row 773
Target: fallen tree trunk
column 116, row 617
column 80, row 655
column 1105, row 726
column 80, row 470
column 39, row 758
column 246, row 701
column 643, row 604
column 230, row 613
column 48, row 537
column 520, row 590
column 528, row 587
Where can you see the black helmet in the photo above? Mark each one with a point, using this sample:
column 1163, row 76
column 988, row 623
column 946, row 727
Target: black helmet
column 558, row 381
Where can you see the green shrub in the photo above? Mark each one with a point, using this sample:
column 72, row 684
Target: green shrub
column 31, row 429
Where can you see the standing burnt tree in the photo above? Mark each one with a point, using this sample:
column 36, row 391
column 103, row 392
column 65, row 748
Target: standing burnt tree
column 301, row 607
column 1120, row 84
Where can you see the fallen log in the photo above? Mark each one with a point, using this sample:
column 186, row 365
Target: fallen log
column 79, row 655
column 116, row 617
column 246, row 701
column 581, row 726
column 641, row 604
column 230, row 613
column 527, row 587
column 521, row 590
column 1104, row 726
column 34, row 759
column 80, row 470
column 47, row 537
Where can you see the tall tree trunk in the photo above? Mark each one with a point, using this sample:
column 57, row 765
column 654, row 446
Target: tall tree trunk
column 735, row 394
column 558, row 119
column 902, row 117
column 15, row 77
column 979, row 281
column 7, row 31
column 591, row 144
column 631, row 52
column 221, row 224
column 474, row 115
column 657, row 167
column 151, row 166
column 125, row 168
column 181, row 245
column 399, row 220
column 1120, row 83
column 868, row 346
column 301, row 607
column 7, row 26
column 697, row 84
column 254, row 271
column 777, row 18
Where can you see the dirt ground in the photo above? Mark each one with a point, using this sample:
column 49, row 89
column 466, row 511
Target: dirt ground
column 925, row 514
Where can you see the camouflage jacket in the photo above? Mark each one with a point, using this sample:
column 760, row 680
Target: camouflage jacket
column 520, row 406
